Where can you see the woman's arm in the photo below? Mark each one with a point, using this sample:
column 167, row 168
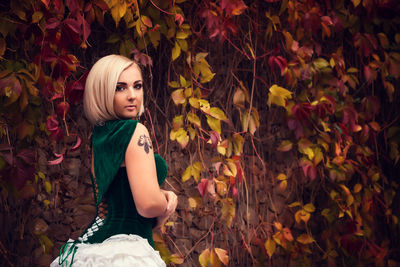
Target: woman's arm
column 141, row 169
column 172, row 200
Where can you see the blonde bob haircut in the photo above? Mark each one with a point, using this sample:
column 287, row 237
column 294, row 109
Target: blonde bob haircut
column 98, row 97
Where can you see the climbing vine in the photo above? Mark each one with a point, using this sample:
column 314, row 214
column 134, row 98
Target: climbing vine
column 285, row 114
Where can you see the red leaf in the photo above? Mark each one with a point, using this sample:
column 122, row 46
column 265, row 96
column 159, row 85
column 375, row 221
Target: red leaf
column 60, row 158
column 52, row 123
column 27, row 156
column 78, row 143
column 46, row 3
column 101, row 4
column 62, row 108
column 202, row 187
column 73, row 6
column 56, row 96
column 85, row 27
column 52, row 23
column 215, row 138
column 23, row 172
column 179, row 18
column 234, row 192
column 72, row 24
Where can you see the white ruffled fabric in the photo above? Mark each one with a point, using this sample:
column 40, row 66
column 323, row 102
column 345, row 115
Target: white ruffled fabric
column 119, row 250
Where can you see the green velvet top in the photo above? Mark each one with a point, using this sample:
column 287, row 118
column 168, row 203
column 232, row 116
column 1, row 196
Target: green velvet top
column 110, row 142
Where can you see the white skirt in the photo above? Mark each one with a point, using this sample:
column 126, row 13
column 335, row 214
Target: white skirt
column 118, row 250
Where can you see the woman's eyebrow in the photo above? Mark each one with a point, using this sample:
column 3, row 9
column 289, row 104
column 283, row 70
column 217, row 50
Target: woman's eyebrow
column 124, row 83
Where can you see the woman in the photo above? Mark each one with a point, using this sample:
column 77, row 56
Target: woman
column 125, row 172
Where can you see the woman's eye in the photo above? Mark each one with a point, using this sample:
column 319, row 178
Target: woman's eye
column 119, row 88
column 138, row 86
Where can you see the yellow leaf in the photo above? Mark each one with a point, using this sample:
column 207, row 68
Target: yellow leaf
column 174, row 84
column 286, row 145
column 176, row 51
column 270, row 247
column 204, row 105
column 309, row 207
column 294, row 204
column 318, row 156
column 182, row 35
column 277, row 95
column 178, row 97
column 194, row 102
column 281, row 177
column 278, row 226
column 222, row 255
column 188, row 92
column 47, row 187
column 183, row 44
column 182, row 138
column 245, row 121
column 177, row 259
column 254, row 122
column 217, row 113
column 239, row 98
column 192, row 202
column 177, row 122
column 230, row 168
column 182, row 80
column 305, row 239
column 356, row 2
column 357, row 188
column 238, row 142
column 187, row 174
column 193, row 118
column 228, row 211
column 215, row 262
column 283, row 185
column 321, row 63
column 204, row 258
column 302, row 215
column 214, row 124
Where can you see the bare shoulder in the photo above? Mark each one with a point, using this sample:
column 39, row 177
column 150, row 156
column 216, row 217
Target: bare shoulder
column 141, row 138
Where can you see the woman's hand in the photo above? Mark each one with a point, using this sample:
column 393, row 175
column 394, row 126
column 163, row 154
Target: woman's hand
column 172, row 202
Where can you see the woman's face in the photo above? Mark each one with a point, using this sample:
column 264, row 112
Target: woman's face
column 129, row 93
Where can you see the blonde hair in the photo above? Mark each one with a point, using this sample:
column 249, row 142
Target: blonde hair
column 98, row 97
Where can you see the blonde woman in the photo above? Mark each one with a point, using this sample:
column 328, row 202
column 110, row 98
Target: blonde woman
column 125, row 172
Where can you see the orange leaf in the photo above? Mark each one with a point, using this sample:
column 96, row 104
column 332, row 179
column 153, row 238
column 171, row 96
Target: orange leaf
column 222, row 255
column 305, row 239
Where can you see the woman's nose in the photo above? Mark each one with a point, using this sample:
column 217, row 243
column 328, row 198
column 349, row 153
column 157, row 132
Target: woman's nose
column 131, row 92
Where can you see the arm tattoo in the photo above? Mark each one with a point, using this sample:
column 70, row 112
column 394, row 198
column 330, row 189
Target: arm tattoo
column 146, row 142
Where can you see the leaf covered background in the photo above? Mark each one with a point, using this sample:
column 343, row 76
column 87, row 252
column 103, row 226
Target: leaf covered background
column 278, row 119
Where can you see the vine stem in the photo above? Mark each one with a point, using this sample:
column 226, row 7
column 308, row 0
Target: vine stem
column 166, row 12
column 204, row 236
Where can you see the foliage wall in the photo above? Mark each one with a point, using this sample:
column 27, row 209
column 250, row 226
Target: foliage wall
column 278, row 119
